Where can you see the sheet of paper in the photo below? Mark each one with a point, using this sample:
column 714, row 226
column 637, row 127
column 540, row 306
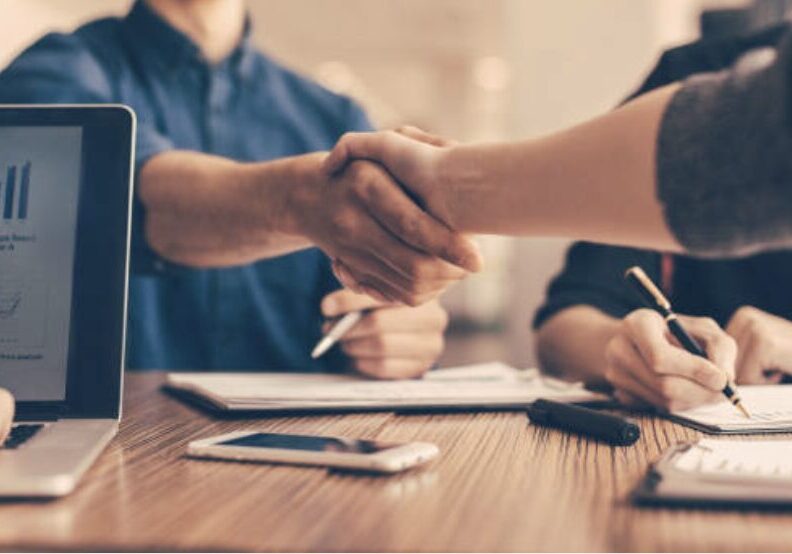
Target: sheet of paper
column 467, row 385
column 766, row 460
column 770, row 407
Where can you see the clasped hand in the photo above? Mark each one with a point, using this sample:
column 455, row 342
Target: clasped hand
column 376, row 218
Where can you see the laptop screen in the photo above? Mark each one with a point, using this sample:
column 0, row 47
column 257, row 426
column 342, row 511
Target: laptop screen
column 40, row 173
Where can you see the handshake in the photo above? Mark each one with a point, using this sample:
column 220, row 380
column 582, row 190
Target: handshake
column 379, row 209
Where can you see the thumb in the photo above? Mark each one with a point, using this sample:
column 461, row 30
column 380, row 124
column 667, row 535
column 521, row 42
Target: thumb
column 388, row 148
column 354, row 146
column 420, row 135
column 720, row 347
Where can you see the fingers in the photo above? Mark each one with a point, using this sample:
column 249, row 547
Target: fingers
column 399, row 214
column 721, row 348
column 428, row 319
column 379, row 368
column 397, row 249
column 644, row 363
column 344, row 301
column 396, row 342
column 344, row 276
column 629, row 373
column 764, row 342
column 407, row 346
column 648, row 332
column 6, row 413
column 751, row 368
column 372, row 276
column 385, row 242
column 363, row 284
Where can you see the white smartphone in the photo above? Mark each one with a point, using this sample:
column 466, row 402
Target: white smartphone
column 339, row 452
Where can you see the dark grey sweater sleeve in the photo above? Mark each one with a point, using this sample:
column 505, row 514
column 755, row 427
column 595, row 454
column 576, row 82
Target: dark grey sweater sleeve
column 724, row 156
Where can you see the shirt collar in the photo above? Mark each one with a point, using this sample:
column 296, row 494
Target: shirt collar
column 174, row 48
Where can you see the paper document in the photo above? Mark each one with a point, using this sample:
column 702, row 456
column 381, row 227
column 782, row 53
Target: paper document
column 485, row 385
column 770, row 407
column 756, row 461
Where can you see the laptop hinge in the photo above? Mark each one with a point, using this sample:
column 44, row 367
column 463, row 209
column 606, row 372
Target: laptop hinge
column 38, row 411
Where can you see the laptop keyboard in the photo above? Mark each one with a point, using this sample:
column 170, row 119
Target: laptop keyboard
column 20, row 434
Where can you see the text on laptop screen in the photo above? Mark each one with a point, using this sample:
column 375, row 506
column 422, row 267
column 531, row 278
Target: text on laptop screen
column 39, row 188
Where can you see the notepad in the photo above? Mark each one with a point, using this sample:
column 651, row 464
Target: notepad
column 722, row 471
column 770, row 407
column 493, row 385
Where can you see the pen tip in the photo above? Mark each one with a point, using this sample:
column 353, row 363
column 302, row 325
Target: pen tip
column 323, row 346
column 743, row 410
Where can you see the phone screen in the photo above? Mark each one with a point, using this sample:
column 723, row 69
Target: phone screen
column 309, row 443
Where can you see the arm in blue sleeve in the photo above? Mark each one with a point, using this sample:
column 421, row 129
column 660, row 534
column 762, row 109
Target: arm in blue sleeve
column 355, row 119
column 56, row 69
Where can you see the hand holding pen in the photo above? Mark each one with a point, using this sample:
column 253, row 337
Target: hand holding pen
column 660, row 372
column 382, row 340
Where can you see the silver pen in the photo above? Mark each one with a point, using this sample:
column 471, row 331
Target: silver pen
column 334, row 335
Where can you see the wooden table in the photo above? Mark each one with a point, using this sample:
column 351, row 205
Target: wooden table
column 499, row 484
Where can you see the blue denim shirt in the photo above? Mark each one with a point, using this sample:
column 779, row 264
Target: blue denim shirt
column 260, row 316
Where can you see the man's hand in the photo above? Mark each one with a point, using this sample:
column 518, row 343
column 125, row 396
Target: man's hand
column 382, row 243
column 645, row 364
column 6, row 413
column 207, row 211
column 390, row 341
column 412, row 156
column 764, row 344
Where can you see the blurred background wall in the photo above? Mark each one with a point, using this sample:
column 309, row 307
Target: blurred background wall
column 468, row 69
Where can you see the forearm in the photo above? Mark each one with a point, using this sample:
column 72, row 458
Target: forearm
column 595, row 181
column 572, row 343
column 208, row 211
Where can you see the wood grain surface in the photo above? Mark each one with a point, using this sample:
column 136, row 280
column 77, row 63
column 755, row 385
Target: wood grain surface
column 499, row 485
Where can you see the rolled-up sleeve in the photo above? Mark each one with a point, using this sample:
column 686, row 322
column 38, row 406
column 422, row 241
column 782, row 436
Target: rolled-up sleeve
column 724, row 156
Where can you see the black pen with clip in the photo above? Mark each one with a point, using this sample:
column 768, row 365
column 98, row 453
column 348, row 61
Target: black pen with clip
column 656, row 300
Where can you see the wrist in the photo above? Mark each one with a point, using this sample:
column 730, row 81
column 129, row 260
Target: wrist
column 293, row 184
column 301, row 193
column 458, row 176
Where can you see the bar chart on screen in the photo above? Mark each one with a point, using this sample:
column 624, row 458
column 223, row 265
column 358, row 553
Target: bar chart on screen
column 40, row 169
column 23, row 296
column 15, row 191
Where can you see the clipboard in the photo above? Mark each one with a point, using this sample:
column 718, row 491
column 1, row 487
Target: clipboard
column 665, row 485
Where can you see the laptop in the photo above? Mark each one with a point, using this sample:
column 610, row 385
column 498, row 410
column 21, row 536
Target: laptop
column 65, row 206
